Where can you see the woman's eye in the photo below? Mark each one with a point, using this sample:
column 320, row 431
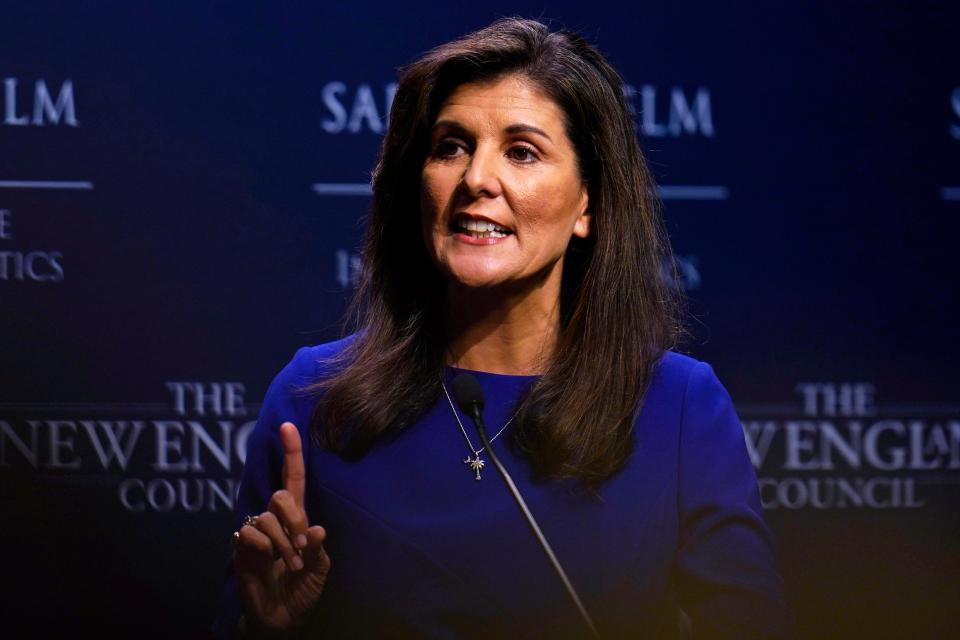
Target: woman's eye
column 447, row 148
column 522, row 154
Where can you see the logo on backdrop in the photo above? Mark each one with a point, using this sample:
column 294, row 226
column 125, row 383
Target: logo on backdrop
column 38, row 104
column 660, row 112
column 837, row 450
column 186, row 461
column 686, row 274
column 33, row 104
column 349, row 267
column 840, row 451
column 359, row 109
column 670, row 113
column 35, row 266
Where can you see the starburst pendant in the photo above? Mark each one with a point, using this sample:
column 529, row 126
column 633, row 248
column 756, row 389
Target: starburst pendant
column 475, row 463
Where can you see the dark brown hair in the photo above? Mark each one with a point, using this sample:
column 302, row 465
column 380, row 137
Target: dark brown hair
column 618, row 312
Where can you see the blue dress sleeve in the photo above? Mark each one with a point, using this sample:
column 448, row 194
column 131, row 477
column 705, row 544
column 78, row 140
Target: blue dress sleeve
column 726, row 577
column 262, row 469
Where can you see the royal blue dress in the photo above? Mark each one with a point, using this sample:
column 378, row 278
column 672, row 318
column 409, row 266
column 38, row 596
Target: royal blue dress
column 420, row 548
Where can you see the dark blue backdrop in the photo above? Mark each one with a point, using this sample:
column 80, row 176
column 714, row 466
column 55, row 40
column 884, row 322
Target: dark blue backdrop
column 182, row 195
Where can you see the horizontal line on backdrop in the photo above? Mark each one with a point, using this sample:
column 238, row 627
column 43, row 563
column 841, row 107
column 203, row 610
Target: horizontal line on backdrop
column 755, row 411
column 342, row 189
column 667, row 192
column 691, row 192
column 919, row 410
column 747, row 410
column 107, row 407
column 82, row 405
column 46, row 184
column 950, row 194
column 766, row 410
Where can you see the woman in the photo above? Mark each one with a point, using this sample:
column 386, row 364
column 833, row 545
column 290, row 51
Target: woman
column 515, row 235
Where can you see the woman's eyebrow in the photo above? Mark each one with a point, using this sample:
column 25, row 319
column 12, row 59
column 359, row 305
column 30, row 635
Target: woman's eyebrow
column 449, row 124
column 512, row 129
column 527, row 128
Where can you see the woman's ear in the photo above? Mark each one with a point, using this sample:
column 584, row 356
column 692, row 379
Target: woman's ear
column 581, row 228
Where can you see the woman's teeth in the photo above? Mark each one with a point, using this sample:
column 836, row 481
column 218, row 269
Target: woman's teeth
column 480, row 229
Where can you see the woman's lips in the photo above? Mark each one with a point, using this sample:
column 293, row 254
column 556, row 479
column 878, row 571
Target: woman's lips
column 466, row 238
column 478, row 230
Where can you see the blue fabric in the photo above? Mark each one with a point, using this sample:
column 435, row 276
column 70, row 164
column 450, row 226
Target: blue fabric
column 420, row 548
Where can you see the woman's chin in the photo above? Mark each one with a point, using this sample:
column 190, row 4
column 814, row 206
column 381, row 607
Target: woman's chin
column 490, row 275
column 478, row 280
column 474, row 273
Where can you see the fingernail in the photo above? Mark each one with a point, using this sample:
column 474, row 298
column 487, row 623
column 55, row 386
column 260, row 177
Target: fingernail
column 301, row 541
column 297, row 563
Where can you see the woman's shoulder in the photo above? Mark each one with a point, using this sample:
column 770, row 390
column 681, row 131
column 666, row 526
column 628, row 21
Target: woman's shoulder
column 682, row 380
column 293, row 392
column 676, row 362
column 308, row 366
column 314, row 361
column 328, row 351
column 675, row 369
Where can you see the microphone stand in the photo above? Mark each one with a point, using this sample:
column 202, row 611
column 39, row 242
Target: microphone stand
column 475, row 414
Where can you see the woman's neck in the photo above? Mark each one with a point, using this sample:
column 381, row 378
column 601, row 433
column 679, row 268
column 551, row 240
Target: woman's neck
column 499, row 331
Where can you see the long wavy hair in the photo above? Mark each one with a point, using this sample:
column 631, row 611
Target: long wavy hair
column 618, row 312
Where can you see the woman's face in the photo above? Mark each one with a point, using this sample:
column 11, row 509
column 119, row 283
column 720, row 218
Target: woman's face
column 500, row 192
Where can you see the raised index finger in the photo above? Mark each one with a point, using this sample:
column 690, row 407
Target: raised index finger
column 293, row 469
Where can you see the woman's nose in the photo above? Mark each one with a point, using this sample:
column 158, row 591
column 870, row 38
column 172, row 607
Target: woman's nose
column 482, row 174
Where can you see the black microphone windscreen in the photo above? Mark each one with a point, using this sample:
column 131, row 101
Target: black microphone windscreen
column 468, row 393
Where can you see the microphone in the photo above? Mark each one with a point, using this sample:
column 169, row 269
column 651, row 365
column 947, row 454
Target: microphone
column 469, row 396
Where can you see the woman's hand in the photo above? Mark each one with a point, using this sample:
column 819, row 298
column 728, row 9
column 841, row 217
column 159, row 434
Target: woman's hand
column 280, row 561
